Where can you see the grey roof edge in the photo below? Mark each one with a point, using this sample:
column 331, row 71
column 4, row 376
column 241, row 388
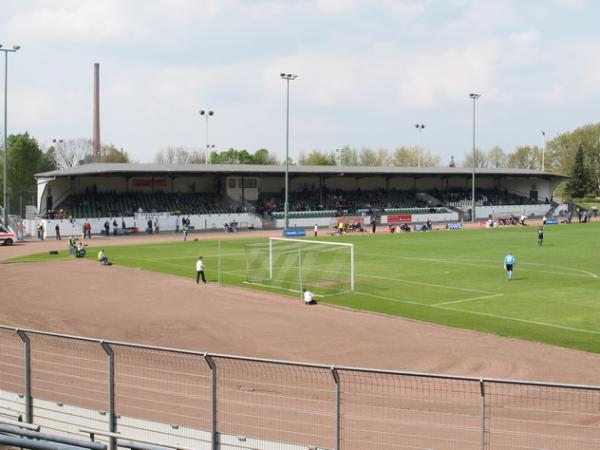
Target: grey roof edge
column 181, row 169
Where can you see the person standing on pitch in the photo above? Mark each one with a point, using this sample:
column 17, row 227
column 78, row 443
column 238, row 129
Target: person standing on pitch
column 509, row 263
column 185, row 231
column 316, row 229
column 200, row 270
column 57, row 231
column 373, row 224
column 540, row 233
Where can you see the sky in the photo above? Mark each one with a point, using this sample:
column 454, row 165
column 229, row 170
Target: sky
column 368, row 71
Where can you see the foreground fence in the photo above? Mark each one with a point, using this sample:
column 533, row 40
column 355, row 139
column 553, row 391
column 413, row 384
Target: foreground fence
column 183, row 399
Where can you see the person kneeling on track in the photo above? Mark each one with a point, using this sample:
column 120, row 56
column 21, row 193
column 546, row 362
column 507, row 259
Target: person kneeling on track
column 102, row 259
column 308, row 298
column 80, row 252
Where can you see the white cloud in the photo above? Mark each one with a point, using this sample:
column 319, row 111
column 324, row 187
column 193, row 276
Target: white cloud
column 72, row 21
column 407, row 10
column 335, row 6
column 435, row 77
column 524, row 38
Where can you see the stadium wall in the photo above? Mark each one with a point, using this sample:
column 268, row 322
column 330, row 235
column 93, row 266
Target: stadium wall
column 308, row 222
column 166, row 222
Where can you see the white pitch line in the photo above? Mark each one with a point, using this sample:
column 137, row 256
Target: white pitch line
column 391, row 299
column 533, row 322
column 469, row 299
column 423, row 283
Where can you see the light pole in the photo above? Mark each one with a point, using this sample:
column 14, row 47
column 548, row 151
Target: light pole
column 58, row 145
column 473, row 97
column 5, row 199
column 287, row 77
column 420, row 127
column 543, row 149
column 207, row 114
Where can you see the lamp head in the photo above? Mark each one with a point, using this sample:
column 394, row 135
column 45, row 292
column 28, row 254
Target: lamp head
column 16, row 47
column 211, row 113
column 201, row 112
column 0, row 45
column 474, row 96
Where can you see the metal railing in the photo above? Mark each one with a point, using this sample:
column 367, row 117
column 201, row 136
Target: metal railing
column 185, row 399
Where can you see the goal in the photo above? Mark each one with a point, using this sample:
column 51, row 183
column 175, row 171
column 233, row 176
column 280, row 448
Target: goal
column 325, row 268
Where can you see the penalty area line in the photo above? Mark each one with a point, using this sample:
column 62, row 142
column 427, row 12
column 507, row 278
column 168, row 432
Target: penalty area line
column 472, row 299
column 496, row 316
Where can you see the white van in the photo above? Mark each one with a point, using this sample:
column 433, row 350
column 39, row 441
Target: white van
column 7, row 237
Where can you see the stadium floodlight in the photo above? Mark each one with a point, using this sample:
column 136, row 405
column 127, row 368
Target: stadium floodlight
column 207, row 114
column 420, row 127
column 473, row 97
column 5, row 184
column 287, row 77
column 326, row 268
column 543, row 149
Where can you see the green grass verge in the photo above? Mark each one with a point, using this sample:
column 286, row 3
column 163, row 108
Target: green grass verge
column 452, row 278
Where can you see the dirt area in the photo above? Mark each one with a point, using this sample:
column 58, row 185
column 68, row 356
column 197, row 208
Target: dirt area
column 82, row 298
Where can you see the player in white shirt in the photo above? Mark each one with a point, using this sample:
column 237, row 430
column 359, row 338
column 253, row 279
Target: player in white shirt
column 308, row 297
column 200, row 270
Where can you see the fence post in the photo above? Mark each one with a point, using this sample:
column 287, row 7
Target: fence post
column 213, row 400
column 482, row 391
column 336, row 379
column 27, row 364
column 112, row 417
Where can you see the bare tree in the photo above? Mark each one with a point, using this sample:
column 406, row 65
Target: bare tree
column 72, row 152
column 481, row 159
column 370, row 157
column 497, row 158
column 179, row 155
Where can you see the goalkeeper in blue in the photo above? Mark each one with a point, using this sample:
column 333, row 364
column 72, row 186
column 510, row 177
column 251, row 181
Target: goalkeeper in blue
column 509, row 263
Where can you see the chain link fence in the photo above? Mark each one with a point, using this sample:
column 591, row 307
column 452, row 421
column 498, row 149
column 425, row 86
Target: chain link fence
column 183, row 399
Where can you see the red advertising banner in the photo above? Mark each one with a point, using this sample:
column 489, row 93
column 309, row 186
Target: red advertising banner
column 399, row 218
column 147, row 182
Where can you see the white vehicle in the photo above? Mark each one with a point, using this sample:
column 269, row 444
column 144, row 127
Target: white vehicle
column 7, row 237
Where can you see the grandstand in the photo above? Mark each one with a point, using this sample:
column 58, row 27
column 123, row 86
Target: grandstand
column 253, row 195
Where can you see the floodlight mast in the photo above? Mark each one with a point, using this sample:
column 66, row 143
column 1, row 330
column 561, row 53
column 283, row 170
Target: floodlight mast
column 5, row 172
column 207, row 114
column 420, row 127
column 473, row 97
column 287, row 77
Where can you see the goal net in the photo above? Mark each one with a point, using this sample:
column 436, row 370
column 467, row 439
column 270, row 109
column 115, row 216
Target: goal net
column 324, row 268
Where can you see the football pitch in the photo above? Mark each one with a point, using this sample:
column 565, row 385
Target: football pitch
column 454, row 278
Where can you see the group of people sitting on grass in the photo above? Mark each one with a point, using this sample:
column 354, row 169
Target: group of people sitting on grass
column 78, row 250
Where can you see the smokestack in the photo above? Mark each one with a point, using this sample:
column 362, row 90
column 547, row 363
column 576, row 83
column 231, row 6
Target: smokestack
column 96, row 136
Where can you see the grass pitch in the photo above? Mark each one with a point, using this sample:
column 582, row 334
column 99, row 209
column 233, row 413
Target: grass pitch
column 453, row 278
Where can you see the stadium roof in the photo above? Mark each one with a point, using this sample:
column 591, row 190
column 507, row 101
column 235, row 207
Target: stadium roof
column 254, row 169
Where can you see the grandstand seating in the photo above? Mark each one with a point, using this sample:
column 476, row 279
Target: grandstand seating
column 301, row 204
column 348, row 202
column 127, row 204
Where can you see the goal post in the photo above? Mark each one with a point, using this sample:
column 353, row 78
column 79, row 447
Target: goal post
column 325, row 268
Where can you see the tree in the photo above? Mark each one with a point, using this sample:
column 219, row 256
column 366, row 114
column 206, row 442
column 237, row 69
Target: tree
column 179, row 155
column 497, row 158
column 72, row 152
column 481, row 159
column 317, row 158
column 262, row 156
column 526, row 158
column 26, row 159
column 405, row 157
column 560, row 152
column 579, row 183
column 111, row 154
column 348, row 156
column 369, row 157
